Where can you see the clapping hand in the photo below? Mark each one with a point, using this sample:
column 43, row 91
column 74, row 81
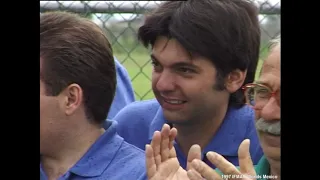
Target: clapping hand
column 200, row 170
column 161, row 159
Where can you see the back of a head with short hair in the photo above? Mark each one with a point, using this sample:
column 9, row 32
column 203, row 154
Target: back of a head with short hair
column 225, row 31
column 75, row 50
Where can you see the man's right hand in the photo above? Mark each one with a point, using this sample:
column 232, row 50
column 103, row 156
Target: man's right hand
column 200, row 170
column 161, row 159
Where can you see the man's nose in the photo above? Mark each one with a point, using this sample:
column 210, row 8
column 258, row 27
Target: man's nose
column 271, row 111
column 165, row 81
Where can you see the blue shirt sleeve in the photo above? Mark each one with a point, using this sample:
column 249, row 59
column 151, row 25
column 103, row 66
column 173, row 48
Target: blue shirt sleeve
column 124, row 90
column 134, row 122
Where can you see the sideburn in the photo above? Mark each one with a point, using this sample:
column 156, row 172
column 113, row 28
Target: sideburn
column 219, row 86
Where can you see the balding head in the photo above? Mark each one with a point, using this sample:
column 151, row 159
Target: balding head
column 273, row 57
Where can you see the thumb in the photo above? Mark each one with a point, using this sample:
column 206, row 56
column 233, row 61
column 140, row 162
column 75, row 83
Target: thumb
column 194, row 153
column 245, row 161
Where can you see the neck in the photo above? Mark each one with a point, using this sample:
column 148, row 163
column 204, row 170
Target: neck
column 67, row 152
column 275, row 168
column 200, row 133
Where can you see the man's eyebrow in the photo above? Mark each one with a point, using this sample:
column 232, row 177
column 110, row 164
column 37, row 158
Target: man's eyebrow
column 261, row 82
column 178, row 64
column 264, row 83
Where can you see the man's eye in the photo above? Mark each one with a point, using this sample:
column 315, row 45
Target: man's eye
column 262, row 93
column 186, row 70
column 156, row 66
column 154, row 63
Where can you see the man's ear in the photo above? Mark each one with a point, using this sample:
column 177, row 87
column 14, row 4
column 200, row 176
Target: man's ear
column 71, row 98
column 235, row 80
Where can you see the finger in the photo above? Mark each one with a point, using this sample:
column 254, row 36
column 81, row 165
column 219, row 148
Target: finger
column 150, row 162
column 245, row 161
column 172, row 153
column 204, row 170
column 222, row 164
column 194, row 153
column 155, row 144
column 172, row 136
column 194, row 175
column 165, row 142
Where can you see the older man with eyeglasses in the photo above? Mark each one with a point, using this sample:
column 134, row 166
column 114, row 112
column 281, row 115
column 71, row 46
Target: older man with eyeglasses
column 264, row 97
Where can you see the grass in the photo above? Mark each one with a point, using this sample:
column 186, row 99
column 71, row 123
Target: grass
column 139, row 69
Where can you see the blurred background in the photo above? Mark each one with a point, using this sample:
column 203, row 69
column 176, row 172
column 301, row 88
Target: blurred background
column 121, row 19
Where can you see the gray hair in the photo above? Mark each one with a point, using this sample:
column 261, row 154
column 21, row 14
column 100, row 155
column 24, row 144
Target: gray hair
column 274, row 42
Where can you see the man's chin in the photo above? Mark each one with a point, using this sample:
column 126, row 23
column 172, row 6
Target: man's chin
column 172, row 116
column 271, row 152
column 175, row 117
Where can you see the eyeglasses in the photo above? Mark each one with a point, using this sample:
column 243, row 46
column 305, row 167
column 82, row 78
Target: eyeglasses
column 258, row 95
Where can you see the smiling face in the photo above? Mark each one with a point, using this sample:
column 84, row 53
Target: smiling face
column 183, row 86
column 268, row 118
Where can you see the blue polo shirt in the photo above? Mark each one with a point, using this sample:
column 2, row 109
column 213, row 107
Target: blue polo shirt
column 110, row 157
column 124, row 92
column 139, row 120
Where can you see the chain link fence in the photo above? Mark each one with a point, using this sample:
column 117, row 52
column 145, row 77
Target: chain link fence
column 121, row 19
